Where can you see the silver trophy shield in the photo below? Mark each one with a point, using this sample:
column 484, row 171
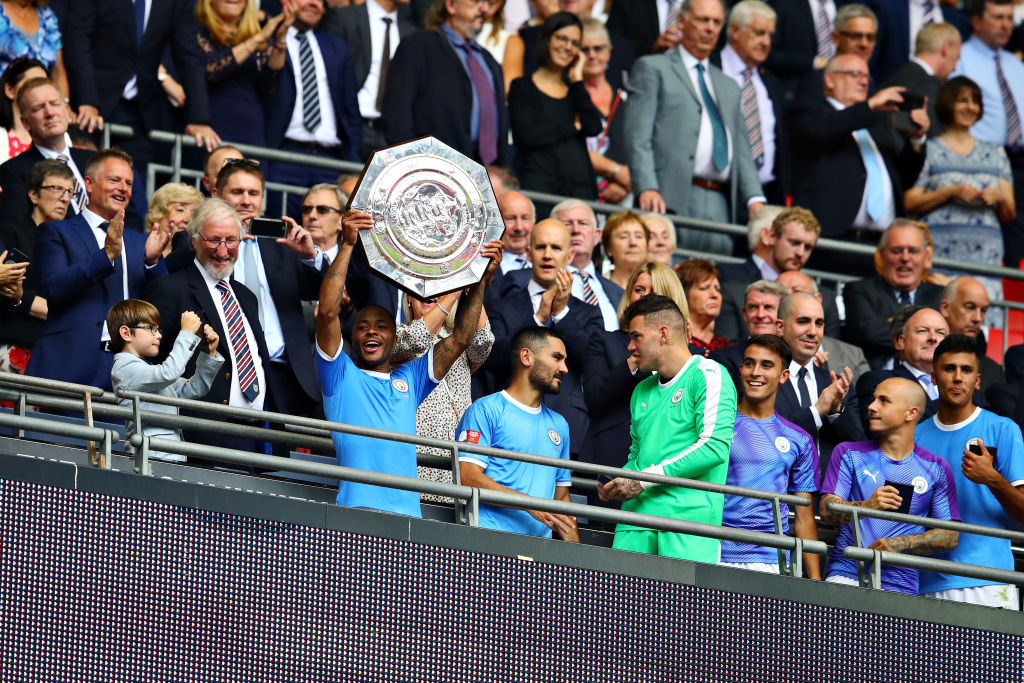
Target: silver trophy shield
column 433, row 209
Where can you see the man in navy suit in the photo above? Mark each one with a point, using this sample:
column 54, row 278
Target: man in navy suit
column 587, row 284
column 547, row 300
column 898, row 26
column 86, row 265
column 443, row 83
column 816, row 400
column 314, row 110
column 915, row 346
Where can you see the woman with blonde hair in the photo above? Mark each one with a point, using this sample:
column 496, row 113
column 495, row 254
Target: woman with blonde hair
column 170, row 209
column 440, row 412
column 243, row 62
column 610, row 373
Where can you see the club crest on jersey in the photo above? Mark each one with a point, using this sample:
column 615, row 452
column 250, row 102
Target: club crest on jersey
column 920, row 484
column 555, row 437
column 678, row 396
column 782, row 443
column 400, row 385
column 973, row 441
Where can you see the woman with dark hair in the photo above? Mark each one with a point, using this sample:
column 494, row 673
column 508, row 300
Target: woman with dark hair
column 520, row 55
column 243, row 61
column 965, row 189
column 28, row 28
column 551, row 115
column 18, row 72
column 703, row 287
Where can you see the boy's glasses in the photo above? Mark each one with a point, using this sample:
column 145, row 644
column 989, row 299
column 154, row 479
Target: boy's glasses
column 155, row 329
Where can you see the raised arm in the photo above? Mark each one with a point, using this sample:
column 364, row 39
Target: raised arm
column 447, row 350
column 328, row 326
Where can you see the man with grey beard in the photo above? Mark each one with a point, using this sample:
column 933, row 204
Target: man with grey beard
column 207, row 287
column 443, row 83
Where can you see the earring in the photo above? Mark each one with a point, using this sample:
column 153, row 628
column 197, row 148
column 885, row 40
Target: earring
column 670, row 341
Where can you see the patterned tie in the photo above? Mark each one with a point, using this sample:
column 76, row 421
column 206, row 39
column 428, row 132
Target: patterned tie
column 522, row 263
column 719, row 139
column 1013, row 127
column 80, row 199
column 873, row 165
column 589, row 295
column 671, row 16
column 488, row 132
column 239, row 346
column 805, row 393
column 928, row 385
column 928, row 12
column 752, row 118
column 904, row 298
column 310, row 95
column 385, row 62
column 823, row 32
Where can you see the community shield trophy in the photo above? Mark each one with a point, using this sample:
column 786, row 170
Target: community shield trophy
column 433, row 209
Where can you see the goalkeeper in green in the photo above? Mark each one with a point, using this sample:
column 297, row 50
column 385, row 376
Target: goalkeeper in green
column 682, row 425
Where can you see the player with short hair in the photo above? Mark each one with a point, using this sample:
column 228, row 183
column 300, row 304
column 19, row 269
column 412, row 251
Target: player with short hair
column 516, row 419
column 768, row 453
column 863, row 474
column 682, row 421
column 989, row 484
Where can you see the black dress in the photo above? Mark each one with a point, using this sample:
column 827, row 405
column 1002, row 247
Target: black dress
column 551, row 153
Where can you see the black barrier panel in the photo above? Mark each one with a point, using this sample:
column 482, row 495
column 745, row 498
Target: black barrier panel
column 99, row 588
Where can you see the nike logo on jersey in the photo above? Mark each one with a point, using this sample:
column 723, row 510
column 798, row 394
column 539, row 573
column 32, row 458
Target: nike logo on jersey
column 873, row 476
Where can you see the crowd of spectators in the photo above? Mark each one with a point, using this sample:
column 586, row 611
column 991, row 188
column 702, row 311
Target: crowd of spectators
column 801, row 118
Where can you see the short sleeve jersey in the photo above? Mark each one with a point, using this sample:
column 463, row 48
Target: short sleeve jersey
column 978, row 504
column 857, row 470
column 383, row 401
column 768, row 455
column 500, row 421
column 682, row 429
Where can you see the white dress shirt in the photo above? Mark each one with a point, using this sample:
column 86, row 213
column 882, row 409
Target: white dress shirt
column 95, row 221
column 237, row 398
column 703, row 164
column 889, row 214
column 326, row 133
column 510, row 261
column 368, row 92
column 767, row 272
column 733, row 67
column 536, row 291
column 66, row 151
column 609, row 310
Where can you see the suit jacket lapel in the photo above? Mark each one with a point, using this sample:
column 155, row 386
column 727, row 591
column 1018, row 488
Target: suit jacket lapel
column 680, row 70
column 365, row 43
column 211, row 314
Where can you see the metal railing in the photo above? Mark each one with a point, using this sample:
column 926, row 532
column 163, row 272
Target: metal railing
column 865, row 557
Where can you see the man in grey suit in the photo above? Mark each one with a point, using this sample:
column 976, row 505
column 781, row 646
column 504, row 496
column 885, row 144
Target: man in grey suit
column 685, row 132
column 371, row 30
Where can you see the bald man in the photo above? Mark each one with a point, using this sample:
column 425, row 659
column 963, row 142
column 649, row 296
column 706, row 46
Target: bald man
column 547, row 300
column 964, row 306
column 915, row 346
column 890, row 473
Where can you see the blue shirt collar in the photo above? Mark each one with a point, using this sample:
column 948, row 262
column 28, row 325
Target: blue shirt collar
column 455, row 39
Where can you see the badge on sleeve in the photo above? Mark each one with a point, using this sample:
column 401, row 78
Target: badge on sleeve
column 555, row 437
column 400, row 385
column 469, row 436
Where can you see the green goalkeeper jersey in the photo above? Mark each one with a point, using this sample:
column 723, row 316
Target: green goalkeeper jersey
column 682, row 429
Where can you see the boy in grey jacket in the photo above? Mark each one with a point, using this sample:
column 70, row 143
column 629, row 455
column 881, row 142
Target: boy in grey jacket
column 135, row 334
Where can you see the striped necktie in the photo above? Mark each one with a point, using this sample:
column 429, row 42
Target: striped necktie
column 752, row 118
column 1013, row 126
column 589, row 295
column 310, row 95
column 823, row 32
column 239, row 345
column 80, row 199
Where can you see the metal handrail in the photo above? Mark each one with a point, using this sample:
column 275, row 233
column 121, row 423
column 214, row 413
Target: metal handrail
column 178, row 140
column 489, row 497
column 21, row 423
column 876, row 558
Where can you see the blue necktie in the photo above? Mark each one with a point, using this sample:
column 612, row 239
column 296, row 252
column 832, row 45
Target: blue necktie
column 719, row 140
column 140, row 20
column 876, row 192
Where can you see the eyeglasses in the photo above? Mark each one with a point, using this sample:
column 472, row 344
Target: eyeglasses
column 61, row 192
column 593, row 49
column 870, row 37
column 321, row 209
column 212, row 243
column 155, row 329
column 240, row 162
column 565, row 40
column 859, row 75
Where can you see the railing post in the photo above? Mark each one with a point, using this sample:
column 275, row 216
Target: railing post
column 784, row 569
column 108, row 442
column 473, row 513
column 137, row 415
column 94, row 460
column 796, row 568
column 142, row 465
column 862, row 569
column 460, row 505
column 876, row 570
column 176, row 160
column 19, row 410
